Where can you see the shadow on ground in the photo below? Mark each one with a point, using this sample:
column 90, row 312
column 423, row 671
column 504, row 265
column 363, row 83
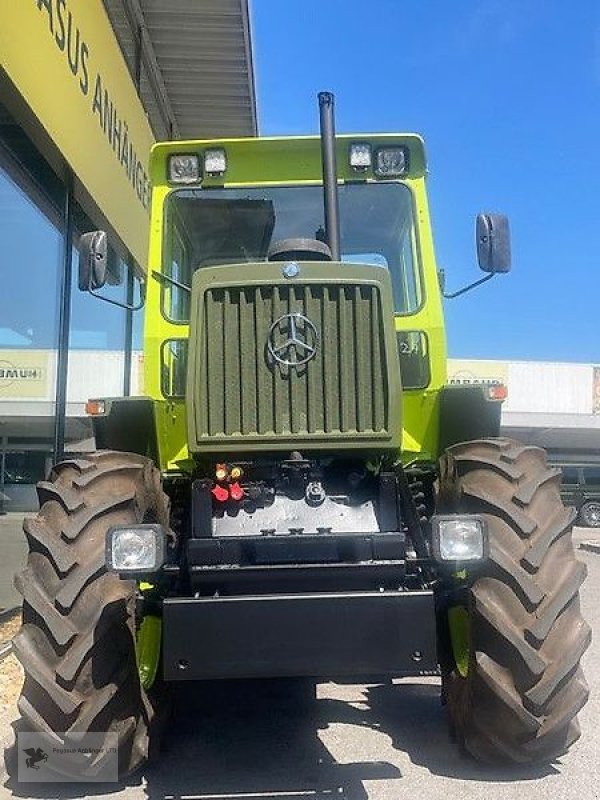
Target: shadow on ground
column 256, row 741
column 261, row 742
column 414, row 719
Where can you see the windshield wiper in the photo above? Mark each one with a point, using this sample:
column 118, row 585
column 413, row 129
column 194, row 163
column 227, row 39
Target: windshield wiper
column 161, row 277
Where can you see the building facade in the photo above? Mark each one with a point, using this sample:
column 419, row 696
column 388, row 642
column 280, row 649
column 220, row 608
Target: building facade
column 86, row 87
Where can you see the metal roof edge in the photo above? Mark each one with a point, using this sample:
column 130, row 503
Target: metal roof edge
column 248, row 39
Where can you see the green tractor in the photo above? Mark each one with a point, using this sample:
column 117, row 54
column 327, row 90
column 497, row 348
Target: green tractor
column 299, row 493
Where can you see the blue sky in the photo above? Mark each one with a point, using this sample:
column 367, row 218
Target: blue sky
column 507, row 96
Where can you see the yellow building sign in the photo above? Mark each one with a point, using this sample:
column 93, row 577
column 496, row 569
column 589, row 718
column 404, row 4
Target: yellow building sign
column 24, row 374
column 63, row 58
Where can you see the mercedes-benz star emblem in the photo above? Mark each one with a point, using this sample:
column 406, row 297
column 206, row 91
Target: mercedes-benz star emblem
column 293, row 340
column 291, row 270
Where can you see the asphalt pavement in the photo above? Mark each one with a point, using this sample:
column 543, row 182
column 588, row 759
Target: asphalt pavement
column 351, row 742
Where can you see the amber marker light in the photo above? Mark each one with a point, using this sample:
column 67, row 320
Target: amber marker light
column 95, row 408
column 497, row 391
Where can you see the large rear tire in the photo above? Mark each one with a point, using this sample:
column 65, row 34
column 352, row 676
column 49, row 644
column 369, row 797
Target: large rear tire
column 516, row 694
column 77, row 642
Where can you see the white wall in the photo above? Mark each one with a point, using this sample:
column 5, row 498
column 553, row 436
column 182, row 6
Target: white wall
column 100, row 374
column 550, row 388
column 535, row 386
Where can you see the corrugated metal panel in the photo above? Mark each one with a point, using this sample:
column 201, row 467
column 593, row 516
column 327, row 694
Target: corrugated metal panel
column 203, row 54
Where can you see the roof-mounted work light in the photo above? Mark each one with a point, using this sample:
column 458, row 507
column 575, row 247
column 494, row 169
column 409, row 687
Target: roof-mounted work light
column 215, row 161
column 391, row 162
column 184, row 168
column 360, row 156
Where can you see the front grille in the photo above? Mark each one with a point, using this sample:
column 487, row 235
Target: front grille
column 242, row 392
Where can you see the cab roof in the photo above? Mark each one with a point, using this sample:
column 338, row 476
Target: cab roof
column 284, row 159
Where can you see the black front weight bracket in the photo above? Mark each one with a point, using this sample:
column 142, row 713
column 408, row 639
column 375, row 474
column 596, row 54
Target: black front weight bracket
column 325, row 635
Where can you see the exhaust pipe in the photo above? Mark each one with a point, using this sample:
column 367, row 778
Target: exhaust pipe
column 330, row 187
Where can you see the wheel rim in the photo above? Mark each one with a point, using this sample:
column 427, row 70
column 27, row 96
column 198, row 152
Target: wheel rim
column 459, row 623
column 591, row 512
column 147, row 648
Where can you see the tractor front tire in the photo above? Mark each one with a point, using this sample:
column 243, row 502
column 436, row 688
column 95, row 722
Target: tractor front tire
column 519, row 690
column 77, row 641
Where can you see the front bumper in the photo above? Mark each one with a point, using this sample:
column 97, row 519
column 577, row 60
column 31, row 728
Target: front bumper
column 319, row 635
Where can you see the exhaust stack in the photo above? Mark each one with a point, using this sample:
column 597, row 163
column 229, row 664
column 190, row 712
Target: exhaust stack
column 330, row 187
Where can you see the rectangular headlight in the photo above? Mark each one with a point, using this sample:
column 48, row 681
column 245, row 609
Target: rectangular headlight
column 459, row 537
column 135, row 548
column 184, row 168
column 215, row 161
column 360, row 155
column 391, row 162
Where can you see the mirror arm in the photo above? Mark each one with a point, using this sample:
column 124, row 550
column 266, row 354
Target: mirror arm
column 165, row 278
column 126, row 306
column 452, row 295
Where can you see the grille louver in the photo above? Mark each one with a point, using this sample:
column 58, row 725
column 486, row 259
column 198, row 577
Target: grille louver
column 242, row 396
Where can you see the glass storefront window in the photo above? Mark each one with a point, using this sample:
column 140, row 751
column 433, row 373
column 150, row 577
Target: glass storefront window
column 24, row 467
column 30, row 259
column 32, row 224
column 97, row 327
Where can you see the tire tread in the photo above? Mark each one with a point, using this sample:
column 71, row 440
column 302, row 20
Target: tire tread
column 520, row 700
column 77, row 642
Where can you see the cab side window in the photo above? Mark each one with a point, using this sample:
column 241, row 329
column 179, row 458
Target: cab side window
column 179, row 305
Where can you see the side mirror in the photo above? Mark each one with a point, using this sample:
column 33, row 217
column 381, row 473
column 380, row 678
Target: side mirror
column 493, row 251
column 493, row 242
column 93, row 260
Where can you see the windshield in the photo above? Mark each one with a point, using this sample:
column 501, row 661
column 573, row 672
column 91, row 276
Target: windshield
column 205, row 227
